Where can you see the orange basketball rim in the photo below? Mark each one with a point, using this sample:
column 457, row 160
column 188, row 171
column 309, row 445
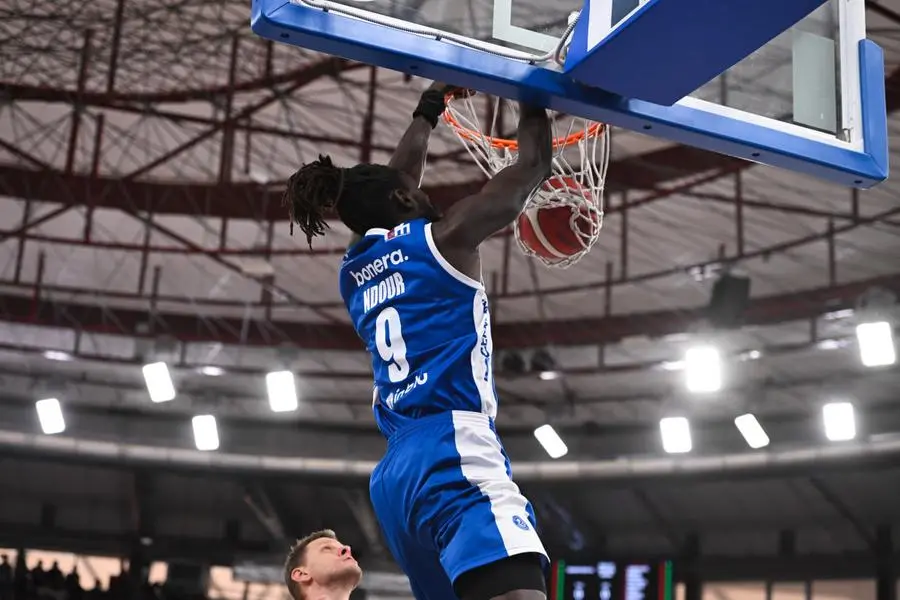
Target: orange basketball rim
column 498, row 143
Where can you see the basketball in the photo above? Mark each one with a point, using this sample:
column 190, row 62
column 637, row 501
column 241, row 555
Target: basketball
column 547, row 231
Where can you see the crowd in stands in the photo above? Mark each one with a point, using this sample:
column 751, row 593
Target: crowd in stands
column 18, row 582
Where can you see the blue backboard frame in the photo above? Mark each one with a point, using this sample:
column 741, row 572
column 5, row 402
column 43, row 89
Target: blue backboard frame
column 679, row 60
column 370, row 43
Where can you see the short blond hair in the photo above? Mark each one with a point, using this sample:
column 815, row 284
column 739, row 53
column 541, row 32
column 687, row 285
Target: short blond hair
column 297, row 555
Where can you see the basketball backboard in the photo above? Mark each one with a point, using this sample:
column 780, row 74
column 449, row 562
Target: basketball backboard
column 811, row 99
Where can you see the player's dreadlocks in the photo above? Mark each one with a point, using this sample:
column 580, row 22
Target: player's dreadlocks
column 360, row 195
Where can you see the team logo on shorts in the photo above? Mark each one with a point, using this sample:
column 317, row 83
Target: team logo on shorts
column 520, row 522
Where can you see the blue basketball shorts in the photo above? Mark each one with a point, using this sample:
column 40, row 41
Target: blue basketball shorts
column 446, row 501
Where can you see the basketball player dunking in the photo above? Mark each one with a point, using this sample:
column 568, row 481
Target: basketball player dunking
column 443, row 494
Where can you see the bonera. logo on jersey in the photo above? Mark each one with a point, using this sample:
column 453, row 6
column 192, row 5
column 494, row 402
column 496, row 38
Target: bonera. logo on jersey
column 377, row 267
column 395, row 397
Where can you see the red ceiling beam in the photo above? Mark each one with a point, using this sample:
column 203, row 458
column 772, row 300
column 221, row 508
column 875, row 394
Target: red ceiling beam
column 250, row 200
column 231, row 201
column 588, row 331
column 109, row 99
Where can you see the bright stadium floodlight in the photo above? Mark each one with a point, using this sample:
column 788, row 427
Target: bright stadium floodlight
column 50, row 416
column 282, row 390
column 876, row 344
column 550, row 441
column 703, row 369
column 676, row 435
column 840, row 421
column 206, row 433
column 753, row 432
column 211, row 371
column 876, row 312
column 159, row 382
column 57, row 355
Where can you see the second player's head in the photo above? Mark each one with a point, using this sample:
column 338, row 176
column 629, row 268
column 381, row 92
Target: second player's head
column 365, row 197
column 319, row 565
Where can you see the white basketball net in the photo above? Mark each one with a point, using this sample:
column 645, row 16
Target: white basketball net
column 580, row 160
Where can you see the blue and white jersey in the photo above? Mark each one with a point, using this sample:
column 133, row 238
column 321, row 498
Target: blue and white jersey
column 426, row 325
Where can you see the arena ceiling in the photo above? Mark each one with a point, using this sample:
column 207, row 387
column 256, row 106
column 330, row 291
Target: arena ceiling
column 143, row 150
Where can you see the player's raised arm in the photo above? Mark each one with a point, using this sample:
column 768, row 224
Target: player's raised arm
column 475, row 218
column 412, row 150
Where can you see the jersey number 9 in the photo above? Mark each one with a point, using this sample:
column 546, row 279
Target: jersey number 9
column 391, row 347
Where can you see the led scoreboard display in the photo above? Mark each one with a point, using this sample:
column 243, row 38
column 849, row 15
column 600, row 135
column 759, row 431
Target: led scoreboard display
column 608, row 580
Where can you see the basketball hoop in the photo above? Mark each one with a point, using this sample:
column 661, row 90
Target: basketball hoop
column 580, row 160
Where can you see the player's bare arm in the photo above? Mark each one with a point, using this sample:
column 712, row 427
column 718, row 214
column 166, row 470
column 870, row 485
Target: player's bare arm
column 475, row 218
column 412, row 150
